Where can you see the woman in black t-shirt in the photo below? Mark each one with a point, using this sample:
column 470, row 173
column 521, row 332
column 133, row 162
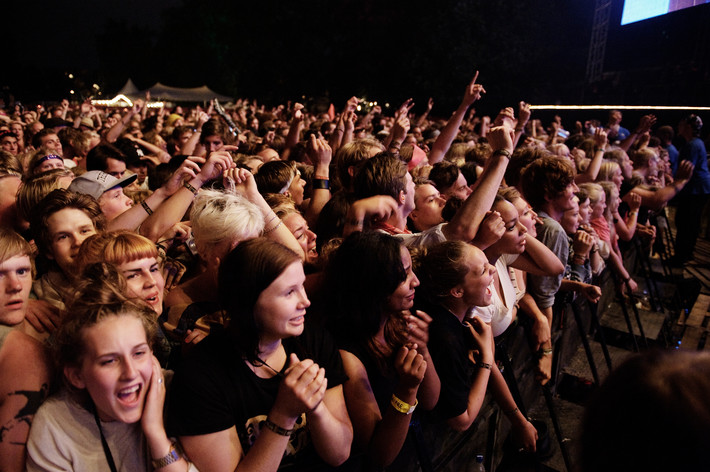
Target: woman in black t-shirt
column 256, row 396
column 370, row 286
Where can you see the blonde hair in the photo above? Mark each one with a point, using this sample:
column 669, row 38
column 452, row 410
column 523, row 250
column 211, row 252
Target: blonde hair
column 13, row 245
column 594, row 191
column 220, row 216
column 607, row 170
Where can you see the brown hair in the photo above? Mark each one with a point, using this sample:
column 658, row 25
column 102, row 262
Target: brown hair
column 544, row 178
column 246, row 272
column 100, row 294
column 35, row 188
column 57, row 200
column 381, row 175
column 440, row 268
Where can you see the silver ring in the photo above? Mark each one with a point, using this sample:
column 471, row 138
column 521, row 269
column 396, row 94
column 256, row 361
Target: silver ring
column 160, row 380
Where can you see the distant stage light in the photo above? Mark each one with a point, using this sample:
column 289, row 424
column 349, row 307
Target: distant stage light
column 614, row 107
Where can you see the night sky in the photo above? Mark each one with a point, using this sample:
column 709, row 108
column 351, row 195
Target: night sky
column 386, row 50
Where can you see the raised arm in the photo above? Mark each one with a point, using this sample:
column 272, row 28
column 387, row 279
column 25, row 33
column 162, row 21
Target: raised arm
column 422, row 119
column 116, row 130
column 590, row 175
column 173, row 209
column 399, row 132
column 523, row 118
column 294, row 130
column 401, row 113
column 189, row 147
column 465, row 223
column 163, row 215
column 656, row 200
column 448, row 133
column 320, row 154
column 274, row 228
column 162, row 156
column 647, row 121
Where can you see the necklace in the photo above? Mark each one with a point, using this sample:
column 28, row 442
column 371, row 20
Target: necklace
column 265, row 364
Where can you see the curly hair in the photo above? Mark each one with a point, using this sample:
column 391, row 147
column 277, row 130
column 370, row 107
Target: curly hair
column 545, row 178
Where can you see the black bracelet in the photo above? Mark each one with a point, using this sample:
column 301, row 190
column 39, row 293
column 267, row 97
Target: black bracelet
column 321, row 184
column 146, row 208
column 190, row 188
column 276, row 428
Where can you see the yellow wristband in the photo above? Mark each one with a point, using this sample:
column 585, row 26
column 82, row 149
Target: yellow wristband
column 402, row 406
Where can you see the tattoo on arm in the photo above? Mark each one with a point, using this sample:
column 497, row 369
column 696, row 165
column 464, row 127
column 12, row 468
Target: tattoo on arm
column 25, row 414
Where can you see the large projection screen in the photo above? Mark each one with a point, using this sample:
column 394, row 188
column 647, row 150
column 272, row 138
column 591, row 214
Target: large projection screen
column 637, row 10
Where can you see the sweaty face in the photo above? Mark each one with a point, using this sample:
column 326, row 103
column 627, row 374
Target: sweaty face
column 67, row 229
column 428, row 206
column 116, row 368
column 15, row 285
column 280, row 309
column 144, row 280
column 403, row 296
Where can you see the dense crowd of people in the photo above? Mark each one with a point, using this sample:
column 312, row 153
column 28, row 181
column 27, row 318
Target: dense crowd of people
column 300, row 282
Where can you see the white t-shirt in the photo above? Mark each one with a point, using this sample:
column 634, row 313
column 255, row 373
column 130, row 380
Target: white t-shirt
column 499, row 314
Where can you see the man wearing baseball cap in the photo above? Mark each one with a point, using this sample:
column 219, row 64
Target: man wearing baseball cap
column 106, row 189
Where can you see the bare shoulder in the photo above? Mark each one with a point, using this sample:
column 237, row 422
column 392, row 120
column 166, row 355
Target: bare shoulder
column 24, row 363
